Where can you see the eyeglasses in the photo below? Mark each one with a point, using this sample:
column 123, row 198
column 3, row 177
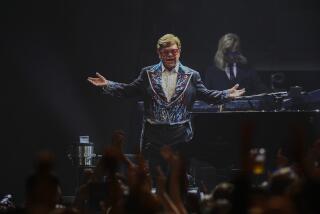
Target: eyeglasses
column 167, row 52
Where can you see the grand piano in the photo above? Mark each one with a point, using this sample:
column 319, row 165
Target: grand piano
column 289, row 121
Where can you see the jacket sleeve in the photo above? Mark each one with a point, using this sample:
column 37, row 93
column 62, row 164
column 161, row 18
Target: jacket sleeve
column 124, row 90
column 209, row 96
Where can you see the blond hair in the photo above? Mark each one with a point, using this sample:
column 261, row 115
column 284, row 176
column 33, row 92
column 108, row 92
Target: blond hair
column 168, row 40
column 227, row 42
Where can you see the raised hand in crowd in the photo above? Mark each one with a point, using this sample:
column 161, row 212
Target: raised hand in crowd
column 177, row 177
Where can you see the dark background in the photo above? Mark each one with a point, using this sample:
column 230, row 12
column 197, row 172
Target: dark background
column 49, row 48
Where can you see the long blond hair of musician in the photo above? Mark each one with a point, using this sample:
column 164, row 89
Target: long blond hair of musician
column 229, row 41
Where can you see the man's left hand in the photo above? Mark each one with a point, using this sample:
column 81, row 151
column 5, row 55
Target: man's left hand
column 234, row 92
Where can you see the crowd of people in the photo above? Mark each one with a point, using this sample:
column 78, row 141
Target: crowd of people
column 121, row 185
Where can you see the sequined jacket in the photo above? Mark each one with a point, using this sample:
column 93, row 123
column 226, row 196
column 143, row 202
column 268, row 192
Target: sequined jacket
column 157, row 109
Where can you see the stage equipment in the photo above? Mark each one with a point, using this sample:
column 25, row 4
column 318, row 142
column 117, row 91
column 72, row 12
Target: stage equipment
column 82, row 153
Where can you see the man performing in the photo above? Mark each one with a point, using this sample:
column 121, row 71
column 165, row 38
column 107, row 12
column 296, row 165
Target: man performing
column 168, row 90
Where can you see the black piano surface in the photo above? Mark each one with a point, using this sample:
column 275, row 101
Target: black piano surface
column 219, row 136
column 275, row 120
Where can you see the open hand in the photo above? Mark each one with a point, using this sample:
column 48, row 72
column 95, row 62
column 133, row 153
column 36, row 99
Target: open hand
column 234, row 92
column 99, row 80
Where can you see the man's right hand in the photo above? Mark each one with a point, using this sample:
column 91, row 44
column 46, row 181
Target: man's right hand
column 99, row 80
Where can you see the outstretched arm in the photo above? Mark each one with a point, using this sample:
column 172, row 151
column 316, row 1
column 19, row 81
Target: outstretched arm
column 215, row 96
column 117, row 89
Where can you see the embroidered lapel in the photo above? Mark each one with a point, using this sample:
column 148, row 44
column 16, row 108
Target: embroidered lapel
column 154, row 75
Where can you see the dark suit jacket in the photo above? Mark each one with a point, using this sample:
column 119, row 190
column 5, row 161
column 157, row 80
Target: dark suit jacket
column 156, row 107
column 217, row 79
